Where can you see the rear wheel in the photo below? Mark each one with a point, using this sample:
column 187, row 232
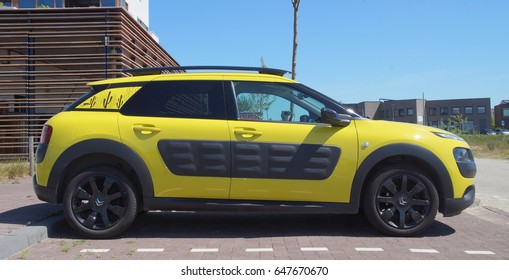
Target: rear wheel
column 100, row 202
column 401, row 201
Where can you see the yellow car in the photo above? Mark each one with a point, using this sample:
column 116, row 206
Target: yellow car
column 242, row 138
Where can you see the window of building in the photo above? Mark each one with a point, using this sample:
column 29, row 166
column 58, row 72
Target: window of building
column 456, row 110
column 26, row 4
column 469, row 110
column 108, row 3
column 179, row 99
column 6, row 3
column 410, row 112
column 401, row 112
column 444, row 111
column 505, row 112
column 432, row 111
column 481, row 109
column 88, row 3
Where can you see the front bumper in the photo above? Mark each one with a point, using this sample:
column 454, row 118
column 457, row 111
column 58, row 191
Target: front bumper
column 47, row 194
column 454, row 206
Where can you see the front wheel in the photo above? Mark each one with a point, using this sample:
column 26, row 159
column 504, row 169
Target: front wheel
column 401, row 201
column 100, row 202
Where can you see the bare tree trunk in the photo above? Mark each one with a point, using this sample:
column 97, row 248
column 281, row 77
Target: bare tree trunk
column 295, row 4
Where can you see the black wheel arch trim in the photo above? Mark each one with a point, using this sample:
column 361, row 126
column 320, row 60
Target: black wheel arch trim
column 445, row 188
column 101, row 146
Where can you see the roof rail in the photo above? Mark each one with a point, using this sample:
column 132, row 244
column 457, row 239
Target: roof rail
column 159, row 70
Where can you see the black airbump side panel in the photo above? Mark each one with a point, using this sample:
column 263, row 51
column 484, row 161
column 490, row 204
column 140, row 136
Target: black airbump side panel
column 249, row 159
column 283, row 161
column 196, row 158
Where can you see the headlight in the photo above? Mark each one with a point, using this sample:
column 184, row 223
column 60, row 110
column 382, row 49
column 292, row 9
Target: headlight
column 448, row 136
column 463, row 155
column 465, row 161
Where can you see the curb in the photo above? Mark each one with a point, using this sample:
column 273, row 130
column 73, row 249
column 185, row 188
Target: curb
column 23, row 238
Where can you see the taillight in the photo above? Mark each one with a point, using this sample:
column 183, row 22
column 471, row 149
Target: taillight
column 46, row 134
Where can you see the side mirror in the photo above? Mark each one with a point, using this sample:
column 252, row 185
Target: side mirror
column 331, row 117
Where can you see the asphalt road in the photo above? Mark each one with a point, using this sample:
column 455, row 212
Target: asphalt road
column 481, row 233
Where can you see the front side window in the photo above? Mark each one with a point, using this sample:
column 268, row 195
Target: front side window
column 275, row 102
column 178, row 99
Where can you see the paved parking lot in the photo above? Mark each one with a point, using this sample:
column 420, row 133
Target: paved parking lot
column 164, row 235
column 479, row 233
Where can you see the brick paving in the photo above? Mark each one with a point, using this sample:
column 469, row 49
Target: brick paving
column 226, row 236
column 480, row 233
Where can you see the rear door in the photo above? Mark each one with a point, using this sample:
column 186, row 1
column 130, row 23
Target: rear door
column 180, row 130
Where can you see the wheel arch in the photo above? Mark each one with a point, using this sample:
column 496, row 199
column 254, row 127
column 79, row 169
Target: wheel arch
column 100, row 152
column 403, row 153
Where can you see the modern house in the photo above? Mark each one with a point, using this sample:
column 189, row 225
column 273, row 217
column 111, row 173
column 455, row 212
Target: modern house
column 51, row 49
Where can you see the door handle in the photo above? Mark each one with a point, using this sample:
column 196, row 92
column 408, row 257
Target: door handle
column 247, row 133
column 146, row 129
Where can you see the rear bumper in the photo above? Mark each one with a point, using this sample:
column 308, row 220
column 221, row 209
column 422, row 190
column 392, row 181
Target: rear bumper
column 454, row 206
column 47, row 194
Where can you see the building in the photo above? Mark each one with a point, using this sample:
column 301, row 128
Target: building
column 48, row 55
column 436, row 113
column 501, row 112
column 477, row 112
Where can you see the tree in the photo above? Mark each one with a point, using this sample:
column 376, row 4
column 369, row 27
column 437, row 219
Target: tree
column 295, row 4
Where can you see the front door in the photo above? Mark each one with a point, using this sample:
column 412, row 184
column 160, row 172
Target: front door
column 281, row 151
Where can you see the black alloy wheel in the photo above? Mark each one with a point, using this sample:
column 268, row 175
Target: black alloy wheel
column 401, row 201
column 100, row 202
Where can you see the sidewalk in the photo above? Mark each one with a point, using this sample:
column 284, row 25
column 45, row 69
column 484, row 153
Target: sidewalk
column 24, row 219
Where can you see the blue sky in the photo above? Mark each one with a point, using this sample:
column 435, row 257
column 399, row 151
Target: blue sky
column 351, row 50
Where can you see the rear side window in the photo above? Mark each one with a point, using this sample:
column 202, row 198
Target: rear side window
column 178, row 99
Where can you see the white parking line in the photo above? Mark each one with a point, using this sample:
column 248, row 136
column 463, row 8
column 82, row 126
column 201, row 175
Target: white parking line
column 369, row 249
column 480, row 252
column 251, row 250
column 429, row 251
column 204, row 250
column 314, row 249
column 95, row 251
column 150, row 250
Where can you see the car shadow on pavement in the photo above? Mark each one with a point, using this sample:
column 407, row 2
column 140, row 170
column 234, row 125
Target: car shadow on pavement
column 249, row 225
column 29, row 214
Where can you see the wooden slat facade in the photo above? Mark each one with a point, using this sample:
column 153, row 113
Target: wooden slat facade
column 47, row 56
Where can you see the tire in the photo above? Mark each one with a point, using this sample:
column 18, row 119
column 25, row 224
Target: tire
column 401, row 201
column 100, row 202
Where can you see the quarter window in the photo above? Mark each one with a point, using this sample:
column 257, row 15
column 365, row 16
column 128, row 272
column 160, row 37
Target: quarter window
column 179, row 99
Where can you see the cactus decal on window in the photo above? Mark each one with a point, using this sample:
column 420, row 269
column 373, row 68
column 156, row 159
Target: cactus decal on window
column 109, row 99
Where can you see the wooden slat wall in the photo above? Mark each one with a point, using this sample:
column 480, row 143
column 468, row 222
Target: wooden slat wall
column 47, row 56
